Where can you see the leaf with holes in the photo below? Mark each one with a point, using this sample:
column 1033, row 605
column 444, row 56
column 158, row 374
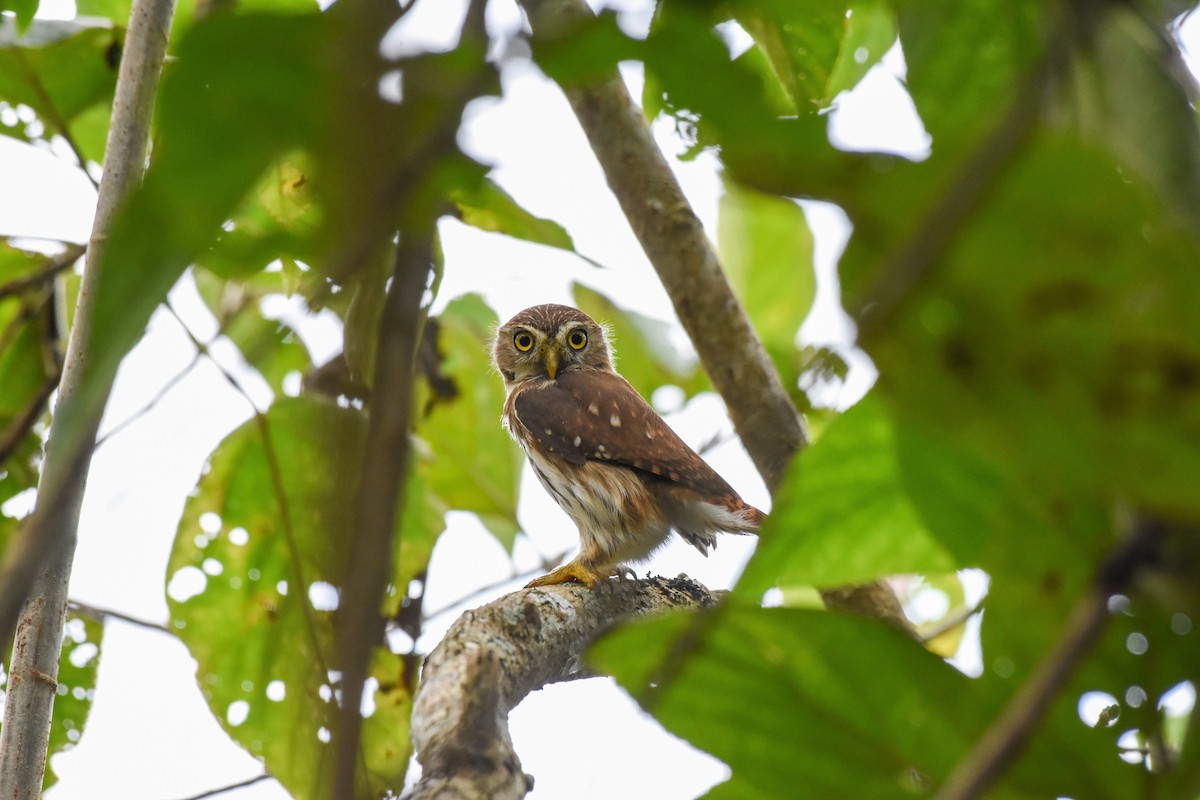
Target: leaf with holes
column 252, row 583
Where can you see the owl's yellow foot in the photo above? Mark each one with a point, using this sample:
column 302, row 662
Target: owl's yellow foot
column 571, row 571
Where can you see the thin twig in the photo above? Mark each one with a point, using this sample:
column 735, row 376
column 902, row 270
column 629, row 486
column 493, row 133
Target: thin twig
column 151, row 403
column 102, row 614
column 1007, row 736
column 231, row 787
column 12, row 436
column 951, row 621
column 53, row 266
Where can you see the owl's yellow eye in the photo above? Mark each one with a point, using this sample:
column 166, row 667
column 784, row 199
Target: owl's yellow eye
column 523, row 341
column 577, row 338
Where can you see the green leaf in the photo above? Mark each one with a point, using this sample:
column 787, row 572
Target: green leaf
column 642, row 346
column 1123, row 94
column 278, row 219
column 262, row 540
column 870, row 33
column 63, row 70
column 115, row 10
column 270, row 346
column 471, row 463
column 1058, row 338
column 798, row 703
column 488, row 207
column 965, row 59
column 801, row 40
column 24, row 10
column 842, row 514
column 767, row 251
column 239, row 96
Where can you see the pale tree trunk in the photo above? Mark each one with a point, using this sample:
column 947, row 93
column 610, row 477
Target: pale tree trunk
column 38, row 570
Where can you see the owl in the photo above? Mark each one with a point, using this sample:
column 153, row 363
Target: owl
column 618, row 470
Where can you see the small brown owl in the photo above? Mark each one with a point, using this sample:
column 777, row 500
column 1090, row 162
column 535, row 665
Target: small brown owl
column 624, row 477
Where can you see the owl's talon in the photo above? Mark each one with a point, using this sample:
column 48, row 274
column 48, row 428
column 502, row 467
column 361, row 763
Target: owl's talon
column 572, row 571
column 624, row 573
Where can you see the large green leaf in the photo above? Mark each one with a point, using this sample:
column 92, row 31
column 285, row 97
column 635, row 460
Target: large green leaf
column 252, row 581
column 801, row 703
column 1059, row 337
column 842, row 514
column 470, row 462
column 965, row 58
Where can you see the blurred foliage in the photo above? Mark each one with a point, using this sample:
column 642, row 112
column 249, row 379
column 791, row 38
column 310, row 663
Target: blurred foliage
column 1039, row 381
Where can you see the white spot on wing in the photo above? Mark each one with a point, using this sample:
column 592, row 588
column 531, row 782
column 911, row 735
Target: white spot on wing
column 577, row 441
column 594, row 409
column 615, row 421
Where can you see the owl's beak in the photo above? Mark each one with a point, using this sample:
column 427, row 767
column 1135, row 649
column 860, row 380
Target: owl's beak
column 550, row 359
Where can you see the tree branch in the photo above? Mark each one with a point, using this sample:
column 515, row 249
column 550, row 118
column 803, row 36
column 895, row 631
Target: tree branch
column 33, row 583
column 495, row 655
column 674, row 240
column 51, row 269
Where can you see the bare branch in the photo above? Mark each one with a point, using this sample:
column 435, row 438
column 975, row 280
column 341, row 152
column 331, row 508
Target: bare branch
column 495, row 655
column 231, row 787
column 33, row 582
column 53, row 266
column 102, row 614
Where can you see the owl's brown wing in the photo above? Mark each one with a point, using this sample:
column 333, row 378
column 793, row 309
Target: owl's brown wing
column 593, row 415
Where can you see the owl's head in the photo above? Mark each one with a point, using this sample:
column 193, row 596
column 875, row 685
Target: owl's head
column 543, row 341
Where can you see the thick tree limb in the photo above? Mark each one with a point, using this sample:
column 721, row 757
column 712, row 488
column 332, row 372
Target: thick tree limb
column 33, row 584
column 495, row 655
column 674, row 240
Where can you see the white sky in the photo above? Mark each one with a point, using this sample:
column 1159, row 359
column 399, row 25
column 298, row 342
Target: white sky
column 151, row 734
